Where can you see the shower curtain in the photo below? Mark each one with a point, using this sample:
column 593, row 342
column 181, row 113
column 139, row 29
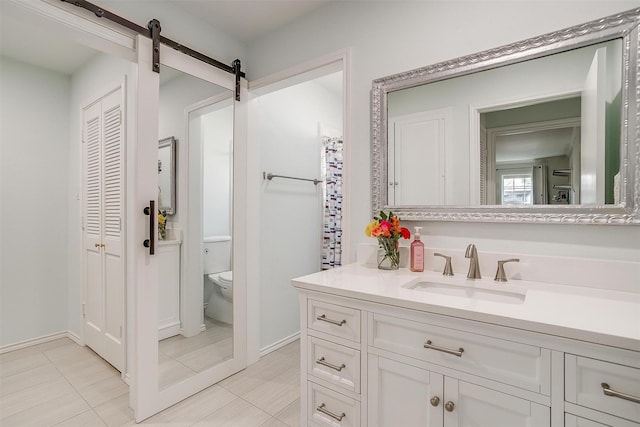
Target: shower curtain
column 332, row 188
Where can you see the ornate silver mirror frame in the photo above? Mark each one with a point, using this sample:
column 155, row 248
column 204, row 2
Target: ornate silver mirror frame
column 625, row 26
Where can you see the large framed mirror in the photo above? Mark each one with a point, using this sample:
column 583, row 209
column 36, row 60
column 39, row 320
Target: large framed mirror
column 543, row 130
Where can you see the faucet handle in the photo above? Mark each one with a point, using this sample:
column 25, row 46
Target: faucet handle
column 448, row 270
column 500, row 274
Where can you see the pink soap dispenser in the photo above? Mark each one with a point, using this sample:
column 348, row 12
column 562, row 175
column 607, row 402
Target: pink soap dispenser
column 417, row 252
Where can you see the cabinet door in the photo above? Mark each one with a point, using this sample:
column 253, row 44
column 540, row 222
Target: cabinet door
column 399, row 395
column 476, row 406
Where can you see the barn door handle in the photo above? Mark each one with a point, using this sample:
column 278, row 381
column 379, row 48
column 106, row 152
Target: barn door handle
column 151, row 241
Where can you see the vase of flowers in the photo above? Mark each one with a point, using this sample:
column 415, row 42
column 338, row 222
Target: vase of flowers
column 162, row 225
column 387, row 229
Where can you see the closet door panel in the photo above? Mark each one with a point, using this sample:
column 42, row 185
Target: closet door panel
column 113, row 200
column 92, row 225
column 103, row 245
column 93, row 300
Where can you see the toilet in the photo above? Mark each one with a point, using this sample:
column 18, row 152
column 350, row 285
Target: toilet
column 217, row 274
column 225, row 281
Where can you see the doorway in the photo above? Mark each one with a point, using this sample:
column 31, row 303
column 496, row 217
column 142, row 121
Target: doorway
column 298, row 126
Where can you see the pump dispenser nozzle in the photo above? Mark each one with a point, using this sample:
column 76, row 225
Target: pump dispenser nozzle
column 417, row 232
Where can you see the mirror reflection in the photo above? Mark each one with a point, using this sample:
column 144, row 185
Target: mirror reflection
column 167, row 175
column 195, row 327
column 543, row 131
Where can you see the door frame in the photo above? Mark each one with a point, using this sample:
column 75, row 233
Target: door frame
column 342, row 57
column 493, row 133
column 109, row 89
column 475, row 157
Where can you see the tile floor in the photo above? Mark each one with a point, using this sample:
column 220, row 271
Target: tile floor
column 62, row 384
column 181, row 357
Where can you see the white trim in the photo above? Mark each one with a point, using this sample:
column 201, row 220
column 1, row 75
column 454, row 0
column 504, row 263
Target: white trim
column 279, row 344
column 40, row 340
column 296, row 70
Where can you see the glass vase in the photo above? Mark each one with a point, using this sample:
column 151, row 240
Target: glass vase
column 388, row 254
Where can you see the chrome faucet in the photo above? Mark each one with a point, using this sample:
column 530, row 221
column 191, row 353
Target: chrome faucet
column 500, row 274
column 474, row 266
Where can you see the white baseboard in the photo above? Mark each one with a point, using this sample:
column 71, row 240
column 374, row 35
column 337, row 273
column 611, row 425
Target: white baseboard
column 279, row 344
column 40, row 340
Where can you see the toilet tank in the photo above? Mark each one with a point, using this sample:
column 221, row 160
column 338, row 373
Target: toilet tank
column 216, row 254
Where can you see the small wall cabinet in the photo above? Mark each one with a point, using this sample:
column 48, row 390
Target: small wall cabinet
column 377, row 365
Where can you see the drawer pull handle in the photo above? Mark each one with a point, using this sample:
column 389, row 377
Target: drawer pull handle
column 324, row 318
column 608, row 392
column 435, row 401
column 321, row 361
column 457, row 352
column 329, row 413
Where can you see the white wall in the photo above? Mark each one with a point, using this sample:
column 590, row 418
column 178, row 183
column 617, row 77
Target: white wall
column 290, row 215
column 34, row 168
column 390, row 37
column 217, row 163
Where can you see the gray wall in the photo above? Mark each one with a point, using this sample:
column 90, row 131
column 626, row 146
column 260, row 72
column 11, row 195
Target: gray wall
column 34, row 135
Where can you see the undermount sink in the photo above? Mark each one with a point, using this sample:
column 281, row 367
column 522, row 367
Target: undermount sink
column 469, row 292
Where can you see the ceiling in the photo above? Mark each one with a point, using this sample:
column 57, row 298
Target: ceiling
column 527, row 146
column 249, row 20
column 23, row 37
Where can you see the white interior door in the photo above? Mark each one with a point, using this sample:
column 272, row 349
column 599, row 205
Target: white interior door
column 593, row 131
column 103, row 242
column 417, row 152
column 149, row 397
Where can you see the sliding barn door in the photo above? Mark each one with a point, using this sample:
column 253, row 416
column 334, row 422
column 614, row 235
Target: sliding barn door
column 103, row 305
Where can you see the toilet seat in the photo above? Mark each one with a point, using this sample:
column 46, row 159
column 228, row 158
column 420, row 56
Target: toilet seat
column 226, row 277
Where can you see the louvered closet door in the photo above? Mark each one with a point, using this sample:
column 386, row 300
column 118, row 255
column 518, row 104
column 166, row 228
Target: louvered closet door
column 104, row 286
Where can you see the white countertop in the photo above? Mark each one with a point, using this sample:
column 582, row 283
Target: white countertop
column 593, row 315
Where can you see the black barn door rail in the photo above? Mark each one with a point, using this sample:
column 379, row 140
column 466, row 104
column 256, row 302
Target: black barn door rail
column 153, row 32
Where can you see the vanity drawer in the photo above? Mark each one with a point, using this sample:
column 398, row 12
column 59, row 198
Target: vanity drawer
column 586, row 382
column 334, row 363
column 343, row 322
column 521, row 365
column 571, row 420
column 328, row 408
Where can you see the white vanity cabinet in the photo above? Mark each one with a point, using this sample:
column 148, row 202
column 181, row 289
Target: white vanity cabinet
column 374, row 361
column 402, row 394
column 371, row 365
column 168, row 252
